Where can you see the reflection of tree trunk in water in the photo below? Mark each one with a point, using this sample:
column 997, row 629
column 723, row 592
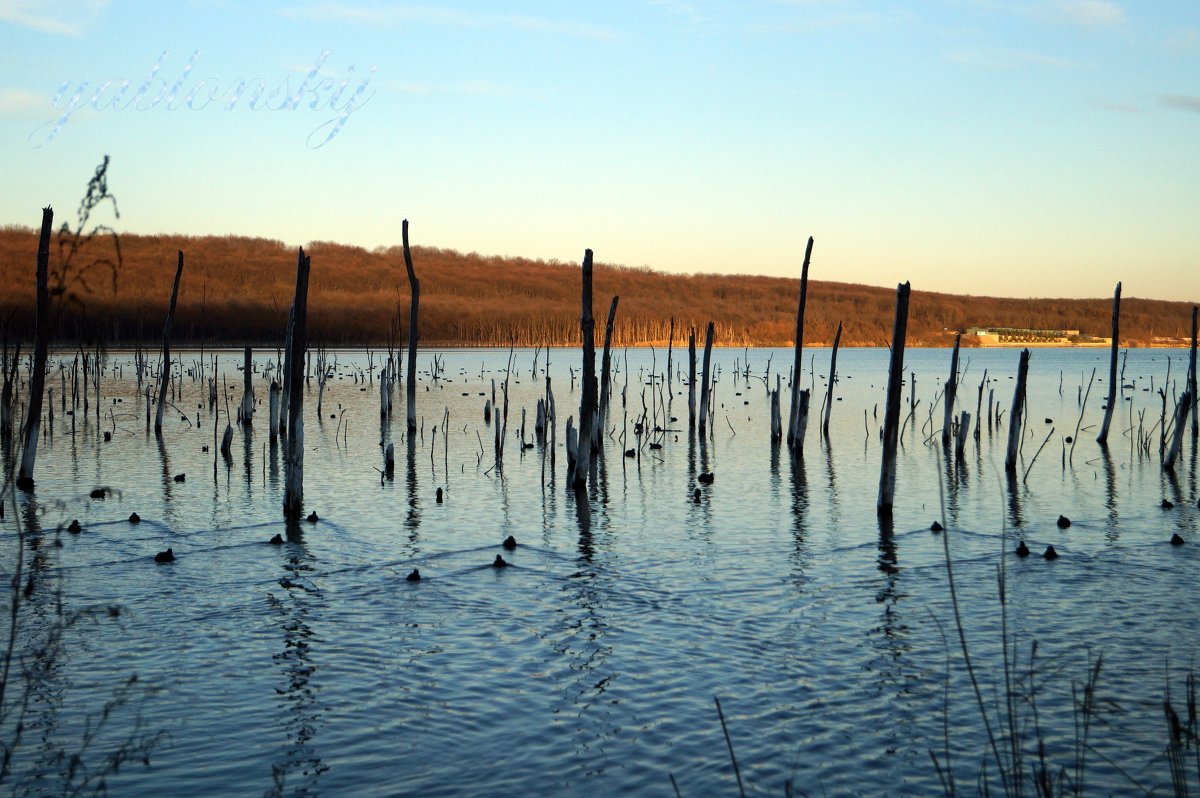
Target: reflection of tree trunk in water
column 300, row 768
column 248, row 458
column 1014, row 502
column 1110, row 492
column 412, row 519
column 273, row 465
column 583, row 518
column 168, row 482
column 800, row 505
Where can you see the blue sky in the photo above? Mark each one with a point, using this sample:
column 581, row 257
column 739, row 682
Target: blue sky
column 1001, row 147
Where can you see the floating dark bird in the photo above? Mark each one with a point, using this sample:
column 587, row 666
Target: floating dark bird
column 631, row 453
column 1050, row 553
column 180, row 477
column 499, row 562
column 74, row 528
column 204, row 448
column 936, row 527
column 415, row 576
column 1069, row 439
column 277, row 540
column 440, row 495
column 107, row 437
column 1176, row 539
column 510, row 543
column 1022, row 549
column 1063, row 522
column 97, row 493
column 165, row 556
column 1049, row 421
column 1167, row 504
column 134, row 518
column 705, row 478
column 312, row 517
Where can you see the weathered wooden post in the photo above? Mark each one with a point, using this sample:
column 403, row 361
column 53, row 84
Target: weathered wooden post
column 692, row 378
column 1017, row 413
column 891, row 414
column 293, row 496
column 704, row 386
column 415, row 286
column 793, row 415
column 837, row 338
column 950, row 392
column 247, row 411
column 606, row 361
column 165, row 371
column 670, row 345
column 41, row 351
column 964, row 428
column 1192, row 378
column 587, row 402
column 1102, row 438
column 274, row 408
column 776, row 422
column 1181, row 414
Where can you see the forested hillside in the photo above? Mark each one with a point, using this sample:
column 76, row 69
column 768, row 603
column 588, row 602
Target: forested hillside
column 237, row 290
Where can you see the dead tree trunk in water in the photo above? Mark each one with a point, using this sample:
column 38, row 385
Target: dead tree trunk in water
column 891, row 415
column 1017, row 413
column 1192, row 378
column 1181, row 414
column 606, row 361
column 41, row 351
column 837, row 338
column 165, row 371
column 692, row 379
column 704, row 391
column 1102, row 438
column 793, row 415
column 293, row 495
column 670, row 344
column 587, row 401
column 415, row 285
column 247, row 389
column 950, row 392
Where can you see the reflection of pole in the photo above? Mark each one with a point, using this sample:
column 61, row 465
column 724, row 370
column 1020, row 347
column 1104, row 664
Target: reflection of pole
column 1102, row 438
column 41, row 351
column 1192, row 377
column 891, row 415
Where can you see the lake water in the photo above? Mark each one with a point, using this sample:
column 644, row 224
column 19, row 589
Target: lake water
column 590, row 666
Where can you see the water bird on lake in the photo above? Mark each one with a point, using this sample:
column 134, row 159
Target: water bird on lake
column 631, row 453
column 1022, row 549
column 936, row 527
column 180, row 477
column 107, row 437
column 74, row 527
column 509, row 543
column 439, row 495
column 204, row 448
column 277, row 540
column 1069, row 439
column 97, row 493
column 499, row 562
column 705, row 478
column 1167, row 504
column 134, row 518
column 1176, row 539
column 1050, row 553
column 415, row 576
column 312, row 517
column 1063, row 522
column 165, row 556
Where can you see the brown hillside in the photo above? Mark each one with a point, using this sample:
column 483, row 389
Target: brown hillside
column 237, row 290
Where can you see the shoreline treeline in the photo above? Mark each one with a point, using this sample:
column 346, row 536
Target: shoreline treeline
column 237, row 290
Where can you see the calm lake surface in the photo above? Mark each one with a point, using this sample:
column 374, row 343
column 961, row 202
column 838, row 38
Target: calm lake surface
column 590, row 666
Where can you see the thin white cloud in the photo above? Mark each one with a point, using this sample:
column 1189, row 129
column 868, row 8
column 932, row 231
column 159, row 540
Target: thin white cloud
column 1184, row 102
column 60, row 17
column 996, row 58
column 18, row 102
column 394, row 15
column 1089, row 13
column 1184, row 40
